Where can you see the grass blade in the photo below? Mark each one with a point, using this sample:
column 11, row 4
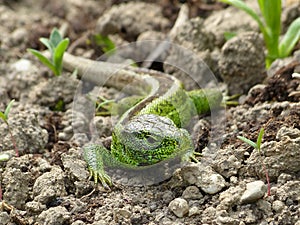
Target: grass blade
column 259, row 138
column 271, row 11
column 8, row 108
column 3, row 117
column 290, row 39
column 247, row 141
column 241, row 5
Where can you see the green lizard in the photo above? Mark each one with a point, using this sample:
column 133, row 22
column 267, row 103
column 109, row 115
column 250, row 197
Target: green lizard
column 153, row 129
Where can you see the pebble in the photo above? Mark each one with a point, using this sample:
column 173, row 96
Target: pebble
column 49, row 186
column 254, row 191
column 194, row 211
column 78, row 222
column 179, row 207
column 19, row 35
column 122, row 213
column 55, row 216
column 4, row 218
column 34, row 207
column 192, row 192
column 168, row 196
column 278, row 206
column 203, row 177
column 22, row 65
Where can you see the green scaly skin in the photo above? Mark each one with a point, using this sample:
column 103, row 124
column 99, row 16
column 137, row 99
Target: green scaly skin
column 151, row 130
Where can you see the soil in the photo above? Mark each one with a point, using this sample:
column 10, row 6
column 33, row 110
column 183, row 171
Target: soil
column 49, row 183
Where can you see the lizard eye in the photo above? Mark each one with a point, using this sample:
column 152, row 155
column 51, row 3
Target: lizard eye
column 151, row 140
column 143, row 135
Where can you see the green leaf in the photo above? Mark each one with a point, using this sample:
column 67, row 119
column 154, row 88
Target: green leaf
column 259, row 138
column 247, row 141
column 48, row 44
column 3, row 117
column 44, row 60
column 55, row 37
column 59, row 53
column 8, row 108
column 290, row 39
column 271, row 11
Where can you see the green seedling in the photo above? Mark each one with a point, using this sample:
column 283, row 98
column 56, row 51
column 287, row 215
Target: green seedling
column 257, row 147
column 229, row 35
column 270, row 26
column 57, row 47
column 105, row 43
column 4, row 117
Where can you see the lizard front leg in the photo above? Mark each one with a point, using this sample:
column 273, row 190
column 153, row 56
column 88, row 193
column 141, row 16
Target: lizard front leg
column 94, row 155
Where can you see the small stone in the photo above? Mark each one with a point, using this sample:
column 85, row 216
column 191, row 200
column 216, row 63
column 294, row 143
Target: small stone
column 264, row 207
column 4, row 218
column 17, row 185
column 34, row 207
column 192, row 192
column 254, row 191
column 278, row 206
column 168, row 196
column 227, row 220
column 194, row 211
column 204, row 177
column 19, row 35
column 75, row 168
column 55, row 216
column 123, row 213
column 22, row 65
column 244, row 49
column 179, row 207
column 64, row 136
column 100, row 222
column 49, row 186
column 132, row 19
column 78, row 222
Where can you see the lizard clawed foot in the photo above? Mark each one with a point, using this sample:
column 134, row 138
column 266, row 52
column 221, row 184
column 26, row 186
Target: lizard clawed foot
column 102, row 177
column 193, row 156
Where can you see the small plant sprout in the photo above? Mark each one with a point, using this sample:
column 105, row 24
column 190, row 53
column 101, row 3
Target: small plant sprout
column 57, row 47
column 105, row 43
column 257, row 147
column 270, row 26
column 4, row 117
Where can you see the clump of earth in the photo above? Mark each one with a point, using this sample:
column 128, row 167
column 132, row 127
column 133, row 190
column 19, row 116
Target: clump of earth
column 49, row 182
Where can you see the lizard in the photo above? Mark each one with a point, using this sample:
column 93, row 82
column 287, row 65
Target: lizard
column 150, row 131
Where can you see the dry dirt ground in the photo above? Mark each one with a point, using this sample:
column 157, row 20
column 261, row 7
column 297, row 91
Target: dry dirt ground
column 48, row 183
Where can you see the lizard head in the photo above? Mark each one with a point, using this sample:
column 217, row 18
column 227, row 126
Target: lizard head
column 148, row 139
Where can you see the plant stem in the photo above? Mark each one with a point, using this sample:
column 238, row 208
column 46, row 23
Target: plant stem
column 13, row 141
